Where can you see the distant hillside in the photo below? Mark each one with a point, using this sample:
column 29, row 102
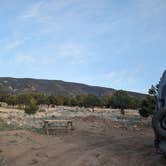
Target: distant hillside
column 54, row 87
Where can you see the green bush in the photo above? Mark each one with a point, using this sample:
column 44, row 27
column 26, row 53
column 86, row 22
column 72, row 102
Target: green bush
column 148, row 104
column 32, row 107
column 144, row 112
column 147, row 107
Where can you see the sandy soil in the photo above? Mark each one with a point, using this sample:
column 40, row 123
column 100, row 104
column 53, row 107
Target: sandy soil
column 94, row 142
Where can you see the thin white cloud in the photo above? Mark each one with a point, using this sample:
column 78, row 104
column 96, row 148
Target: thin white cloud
column 117, row 78
column 25, row 59
column 72, row 52
column 13, row 44
column 45, row 60
column 123, row 78
column 39, row 12
column 33, row 11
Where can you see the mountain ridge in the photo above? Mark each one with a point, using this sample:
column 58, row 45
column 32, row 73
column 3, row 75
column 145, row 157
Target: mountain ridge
column 54, row 87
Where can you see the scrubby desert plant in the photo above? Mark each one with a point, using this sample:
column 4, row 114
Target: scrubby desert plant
column 32, row 107
column 144, row 112
column 147, row 106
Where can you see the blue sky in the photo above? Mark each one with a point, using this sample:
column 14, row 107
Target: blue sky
column 113, row 43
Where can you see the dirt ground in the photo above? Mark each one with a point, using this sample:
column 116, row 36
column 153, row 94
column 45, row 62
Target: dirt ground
column 94, row 142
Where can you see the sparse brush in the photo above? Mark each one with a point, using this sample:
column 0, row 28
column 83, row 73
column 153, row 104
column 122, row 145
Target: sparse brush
column 32, row 107
column 2, row 161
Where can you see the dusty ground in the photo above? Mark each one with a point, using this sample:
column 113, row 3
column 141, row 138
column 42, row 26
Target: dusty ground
column 96, row 141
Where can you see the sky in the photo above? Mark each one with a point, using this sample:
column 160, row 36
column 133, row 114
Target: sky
column 119, row 44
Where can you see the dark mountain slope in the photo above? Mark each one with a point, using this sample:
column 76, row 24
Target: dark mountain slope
column 55, row 87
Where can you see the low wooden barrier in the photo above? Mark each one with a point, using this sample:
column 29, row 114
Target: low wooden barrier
column 57, row 125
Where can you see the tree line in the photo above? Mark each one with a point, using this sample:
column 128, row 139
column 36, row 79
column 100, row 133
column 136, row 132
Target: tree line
column 120, row 99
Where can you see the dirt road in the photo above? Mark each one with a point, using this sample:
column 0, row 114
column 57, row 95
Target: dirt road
column 94, row 142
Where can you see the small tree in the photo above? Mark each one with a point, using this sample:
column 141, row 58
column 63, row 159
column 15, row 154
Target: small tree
column 80, row 99
column 153, row 90
column 91, row 101
column 146, row 107
column 73, row 101
column 24, row 99
column 60, row 100
column 51, row 100
column 120, row 100
column 32, row 107
column 135, row 103
column 40, row 99
column 148, row 104
column 11, row 100
column 105, row 101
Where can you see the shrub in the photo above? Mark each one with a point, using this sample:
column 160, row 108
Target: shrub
column 32, row 107
column 147, row 107
column 144, row 112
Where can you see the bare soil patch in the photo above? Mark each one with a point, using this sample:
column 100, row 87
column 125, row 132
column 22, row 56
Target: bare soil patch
column 96, row 141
